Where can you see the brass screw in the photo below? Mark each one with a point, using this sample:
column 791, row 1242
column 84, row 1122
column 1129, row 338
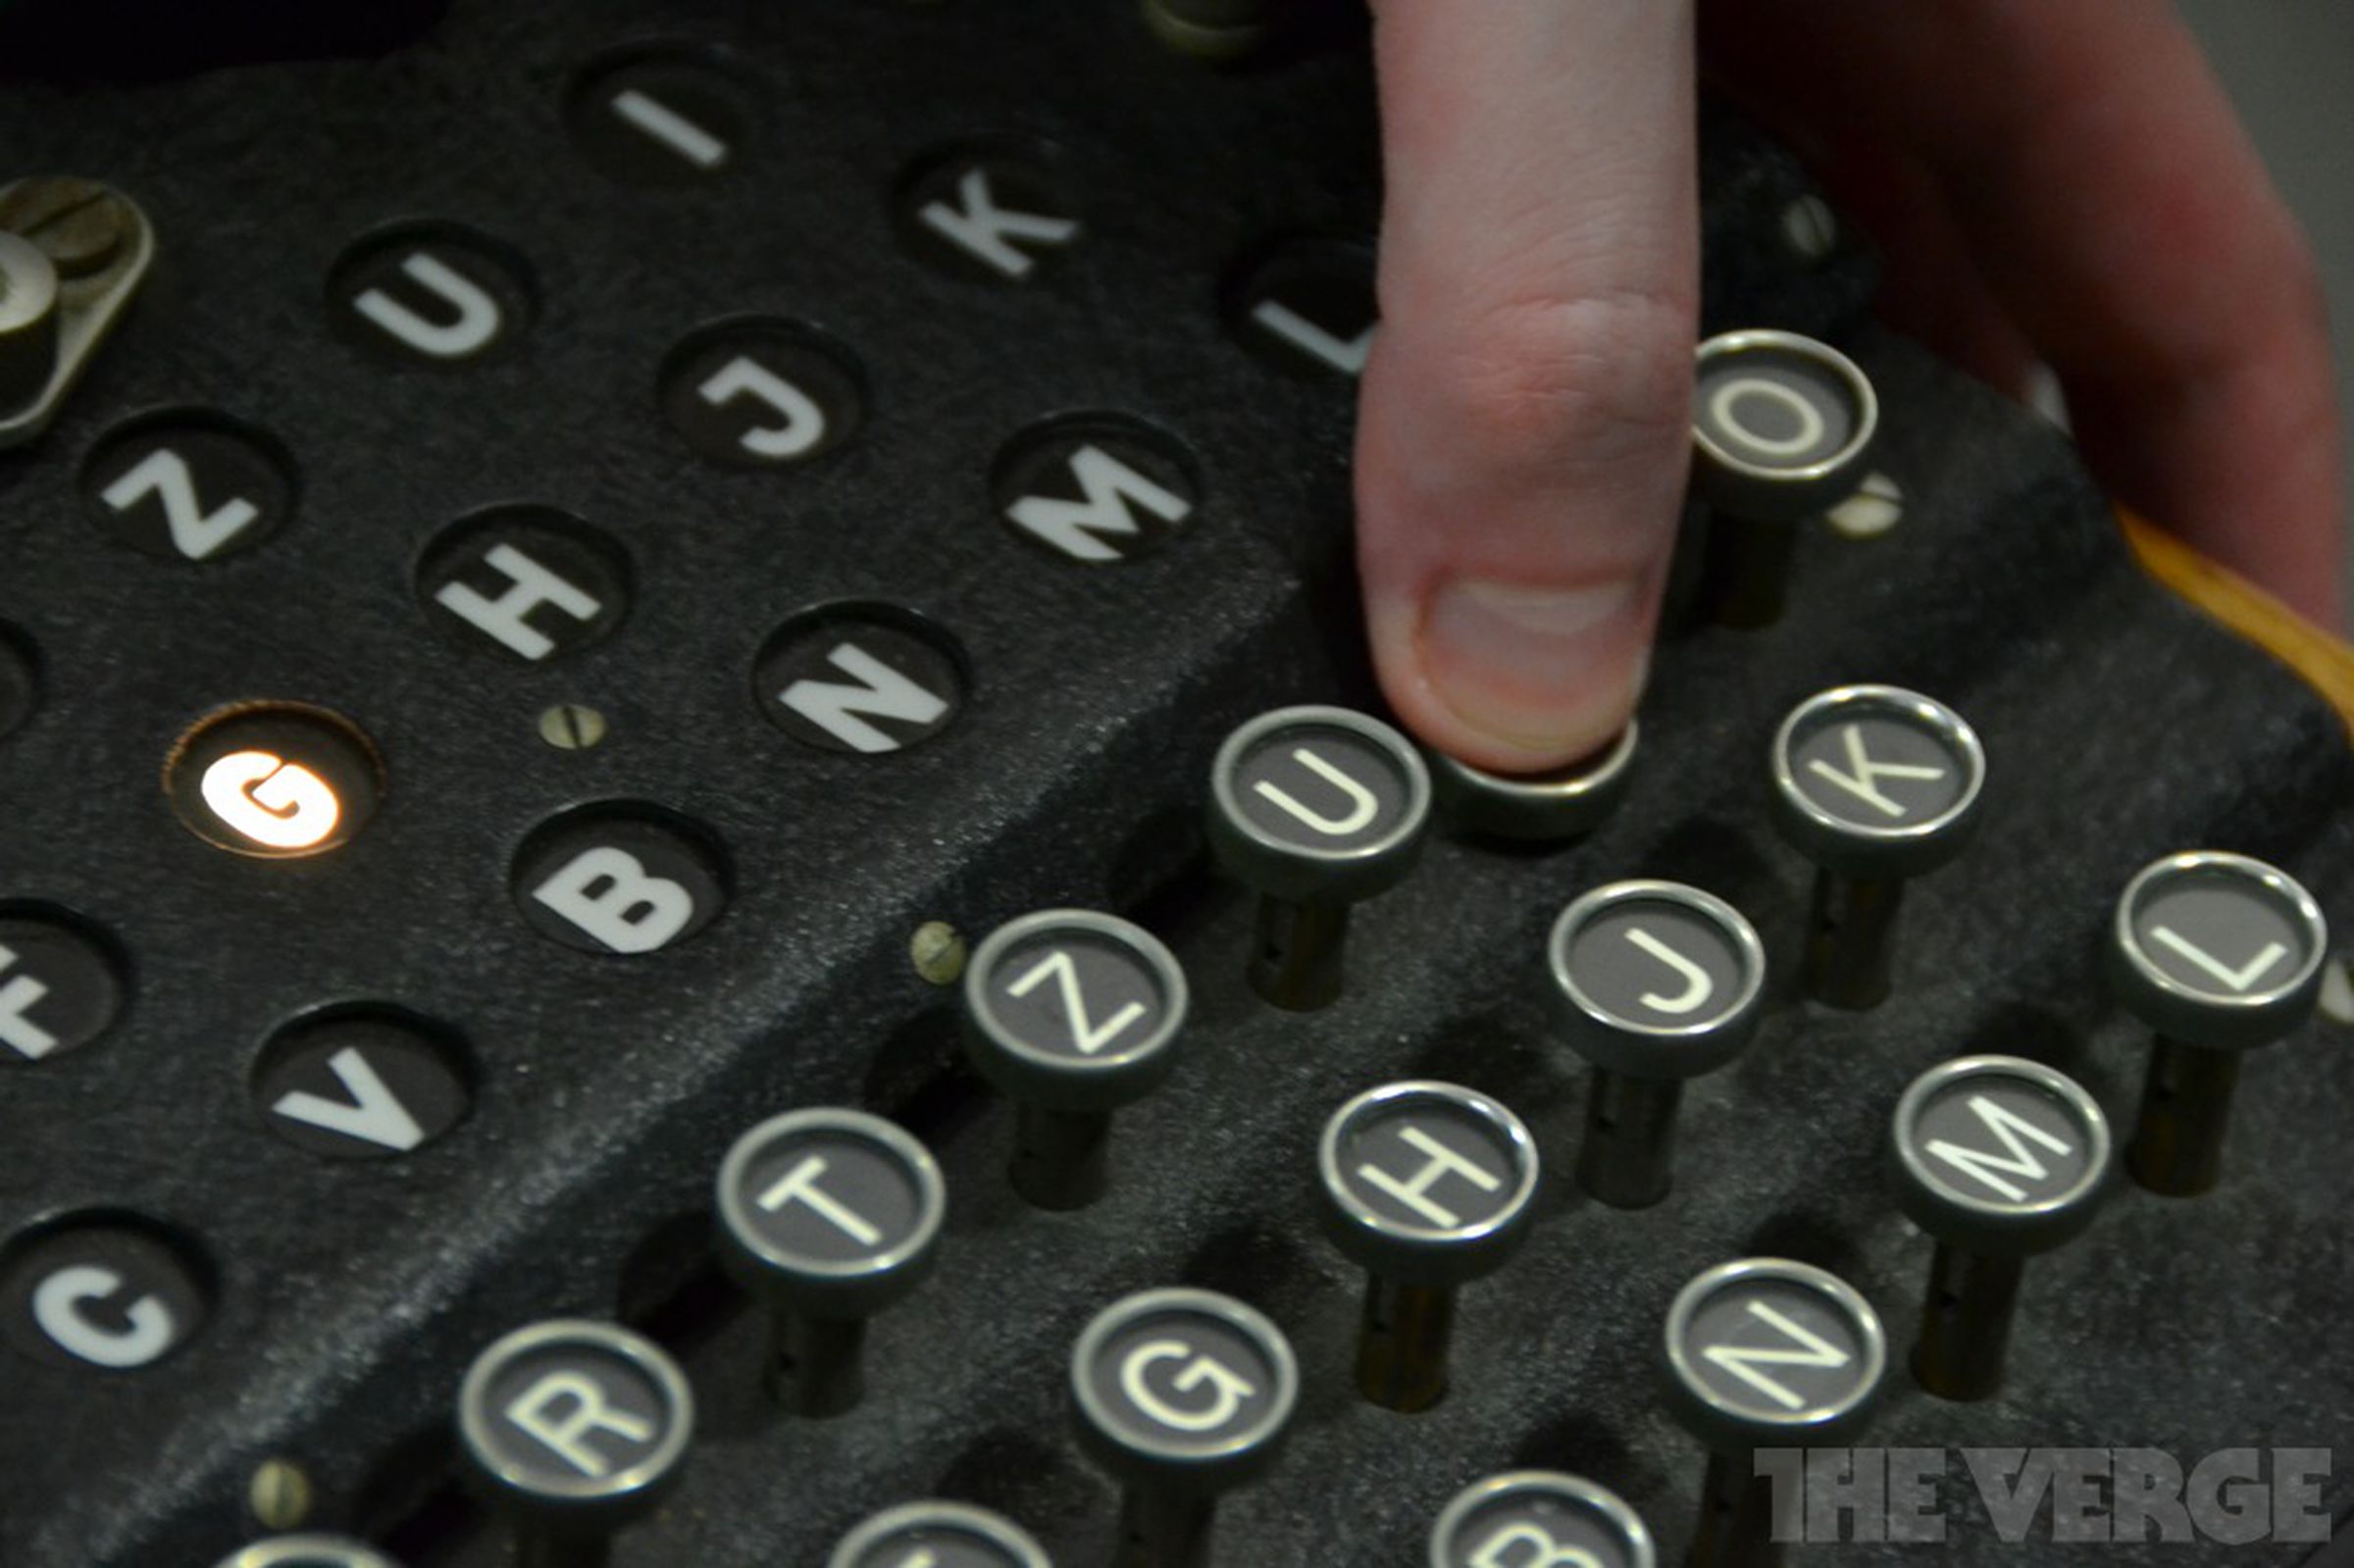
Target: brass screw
column 2337, row 990
column 570, row 727
column 1877, row 506
column 281, row 1495
column 79, row 225
column 937, row 950
column 1810, row 227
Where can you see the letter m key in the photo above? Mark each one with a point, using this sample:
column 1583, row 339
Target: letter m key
column 1995, row 1170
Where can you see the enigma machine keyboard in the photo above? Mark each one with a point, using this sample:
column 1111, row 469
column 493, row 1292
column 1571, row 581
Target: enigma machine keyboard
column 647, row 665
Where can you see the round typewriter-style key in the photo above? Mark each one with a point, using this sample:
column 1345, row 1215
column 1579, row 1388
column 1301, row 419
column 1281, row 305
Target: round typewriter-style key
column 29, row 318
column 308, row 1552
column 939, row 1535
column 1998, row 1159
column 1427, row 1187
column 572, row 1429
column 1543, row 1519
column 1318, row 808
column 829, row 1217
column 2216, row 953
column 1073, row 1014
column 1182, row 1394
column 1764, row 1352
column 1658, row 983
column 1781, row 428
column 1535, row 808
column 1780, row 424
column 1874, row 785
column 2218, row 950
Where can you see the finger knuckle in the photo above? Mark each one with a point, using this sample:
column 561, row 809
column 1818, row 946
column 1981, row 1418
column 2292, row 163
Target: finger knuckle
column 1575, row 384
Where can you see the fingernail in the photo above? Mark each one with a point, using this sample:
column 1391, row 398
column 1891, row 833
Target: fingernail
column 1548, row 672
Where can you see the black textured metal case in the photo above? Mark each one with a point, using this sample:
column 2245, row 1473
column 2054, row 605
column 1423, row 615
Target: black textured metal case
column 348, row 1297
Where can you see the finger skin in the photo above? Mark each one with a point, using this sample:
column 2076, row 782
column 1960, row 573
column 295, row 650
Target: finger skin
column 1525, row 419
column 2122, row 219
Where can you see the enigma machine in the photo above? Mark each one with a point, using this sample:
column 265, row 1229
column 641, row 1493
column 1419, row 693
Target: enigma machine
column 698, row 868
